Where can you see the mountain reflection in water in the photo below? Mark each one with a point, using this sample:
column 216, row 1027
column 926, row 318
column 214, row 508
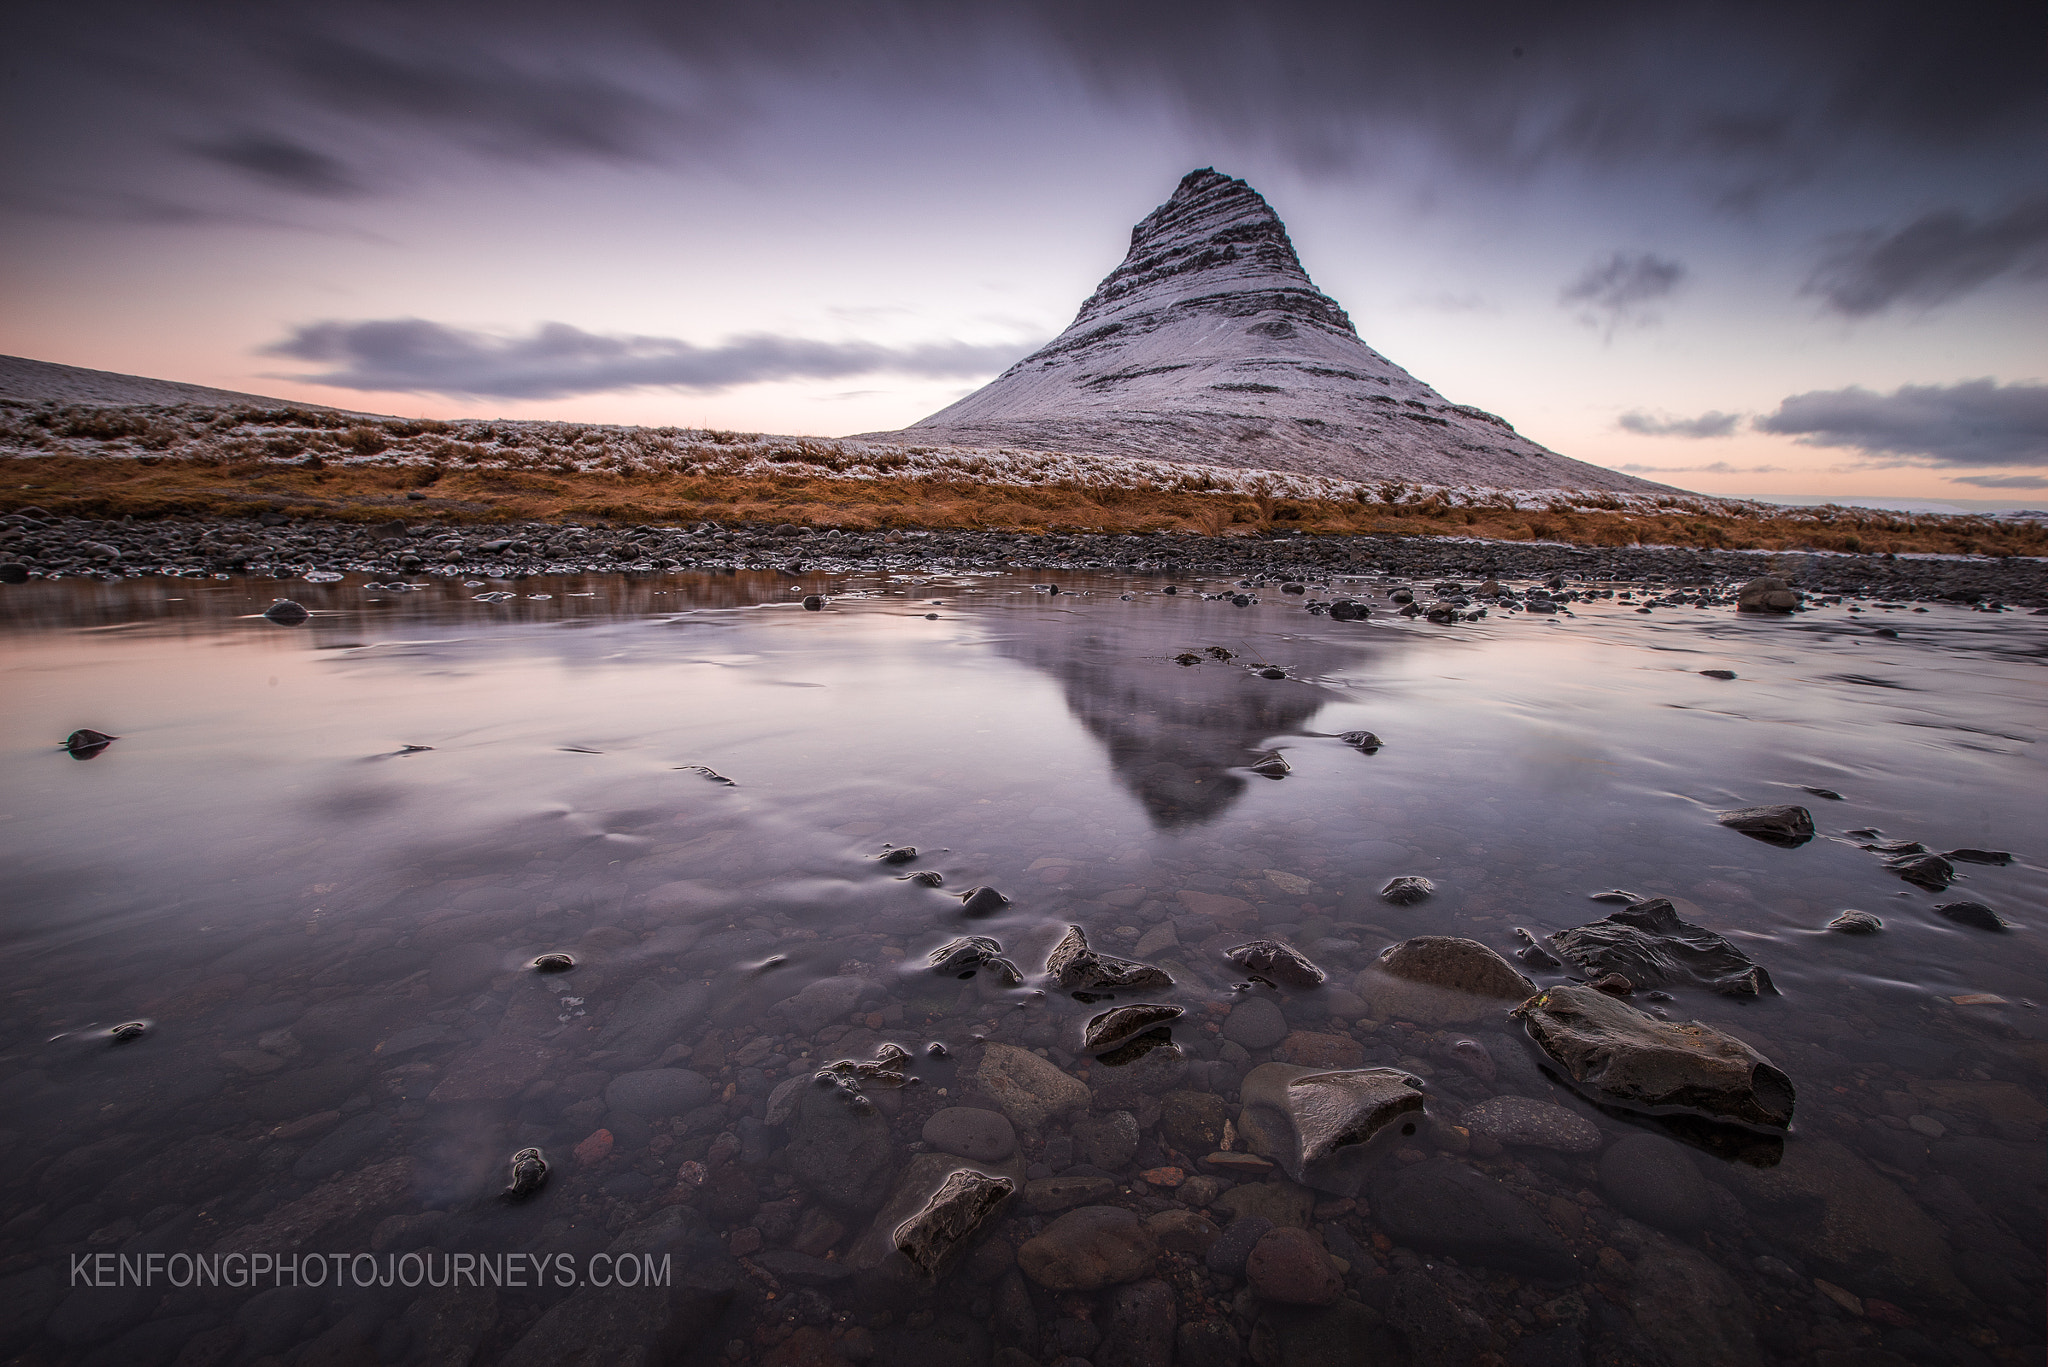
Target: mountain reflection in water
column 1178, row 737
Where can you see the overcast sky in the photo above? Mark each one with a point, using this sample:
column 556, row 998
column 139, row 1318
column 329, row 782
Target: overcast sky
column 1761, row 248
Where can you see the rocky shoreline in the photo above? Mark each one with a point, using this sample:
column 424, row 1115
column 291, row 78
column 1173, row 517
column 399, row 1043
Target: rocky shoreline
column 34, row 545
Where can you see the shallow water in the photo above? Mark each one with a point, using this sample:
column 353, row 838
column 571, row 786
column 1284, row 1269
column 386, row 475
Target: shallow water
column 326, row 934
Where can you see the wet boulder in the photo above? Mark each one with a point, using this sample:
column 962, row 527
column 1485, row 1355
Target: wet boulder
column 1929, row 871
column 953, row 1219
column 1649, row 945
column 1276, row 961
column 839, row 1152
column 968, row 955
column 982, row 902
column 1532, row 1124
column 285, row 612
column 1972, row 914
column 1783, row 824
column 1090, row 1248
column 1441, row 980
column 1325, row 1127
column 1407, row 890
column 1766, row 593
column 86, row 743
column 1624, row 1057
column 1120, row 1026
column 1856, row 923
column 1081, row 969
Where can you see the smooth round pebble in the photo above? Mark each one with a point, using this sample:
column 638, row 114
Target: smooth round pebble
column 1289, row 1266
column 1255, row 1023
column 985, row 1136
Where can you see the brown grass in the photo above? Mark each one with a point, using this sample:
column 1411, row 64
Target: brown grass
column 158, row 486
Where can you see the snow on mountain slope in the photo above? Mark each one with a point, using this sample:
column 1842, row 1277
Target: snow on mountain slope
column 1211, row 344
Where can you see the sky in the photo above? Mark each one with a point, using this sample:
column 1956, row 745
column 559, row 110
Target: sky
column 1770, row 249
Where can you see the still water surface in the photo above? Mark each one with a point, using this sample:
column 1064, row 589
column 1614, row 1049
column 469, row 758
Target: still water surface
column 326, row 932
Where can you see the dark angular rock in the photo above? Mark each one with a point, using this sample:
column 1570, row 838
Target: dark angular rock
column 1856, row 923
column 982, row 902
column 1783, row 824
column 969, row 954
column 840, row 1153
column 1081, row 969
column 956, row 1215
column 1324, row 1127
column 1649, row 945
column 1969, row 856
column 1407, row 890
column 285, row 612
column 86, row 743
column 1280, row 962
column 1929, row 871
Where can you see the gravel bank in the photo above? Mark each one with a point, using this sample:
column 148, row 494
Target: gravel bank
column 34, row 546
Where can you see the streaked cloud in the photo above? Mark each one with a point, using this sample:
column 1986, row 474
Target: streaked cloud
column 557, row 360
column 1622, row 288
column 1932, row 260
column 1711, row 424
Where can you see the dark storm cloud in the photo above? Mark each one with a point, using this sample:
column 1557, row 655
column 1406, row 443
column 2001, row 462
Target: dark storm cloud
column 1931, row 260
column 413, row 355
column 1743, row 96
column 283, row 164
column 1622, row 288
column 1705, row 425
column 1979, row 422
column 480, row 98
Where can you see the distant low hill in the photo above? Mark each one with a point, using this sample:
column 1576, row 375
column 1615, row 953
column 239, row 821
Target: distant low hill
column 46, row 381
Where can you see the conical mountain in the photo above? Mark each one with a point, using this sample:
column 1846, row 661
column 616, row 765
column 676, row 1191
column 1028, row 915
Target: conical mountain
column 1210, row 343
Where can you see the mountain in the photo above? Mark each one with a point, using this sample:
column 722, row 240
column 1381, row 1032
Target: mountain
column 1210, row 343
column 46, row 381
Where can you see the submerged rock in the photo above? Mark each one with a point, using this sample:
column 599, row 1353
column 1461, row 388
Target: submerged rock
column 1440, row 1206
column 936, row 1238
column 1439, row 979
column 1324, row 1127
column 1277, row 961
column 554, row 963
column 1532, row 1124
column 1783, row 824
column 924, row 878
column 902, row 854
column 969, row 954
column 529, row 1171
column 1028, row 1089
column 885, row 1069
column 839, row 1153
column 1088, row 1249
column 1120, row 1025
column 1969, row 856
column 1364, row 741
column 1856, row 923
column 1081, row 969
column 1973, row 914
column 285, row 612
column 1534, row 954
column 1649, row 945
column 1929, row 871
column 1635, row 1061
column 1274, row 765
column 1407, row 890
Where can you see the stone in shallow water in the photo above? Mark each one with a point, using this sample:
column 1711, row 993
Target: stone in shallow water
column 1972, row 914
column 969, row 954
column 1652, row 947
column 1326, row 1127
column 286, row 613
column 1532, row 1124
column 1441, row 980
column 1277, row 961
column 1641, row 1063
column 1856, row 923
column 1081, row 969
column 938, row 1236
column 1783, row 824
column 1289, row 1266
column 86, row 743
column 837, row 1152
column 1766, row 593
column 1030, row 1090
column 1407, row 890
column 1255, row 1023
column 1929, row 871
column 982, row 902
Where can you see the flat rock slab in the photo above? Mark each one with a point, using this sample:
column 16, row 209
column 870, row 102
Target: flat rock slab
column 1030, row 1090
column 920, row 1179
column 1532, row 1124
column 1448, row 1208
column 1088, row 1249
column 1649, row 944
column 1255, row 1023
column 971, row 1133
column 951, row 1220
column 1636, row 1061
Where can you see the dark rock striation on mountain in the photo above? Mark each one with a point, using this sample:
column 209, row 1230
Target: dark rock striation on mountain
column 1211, row 344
